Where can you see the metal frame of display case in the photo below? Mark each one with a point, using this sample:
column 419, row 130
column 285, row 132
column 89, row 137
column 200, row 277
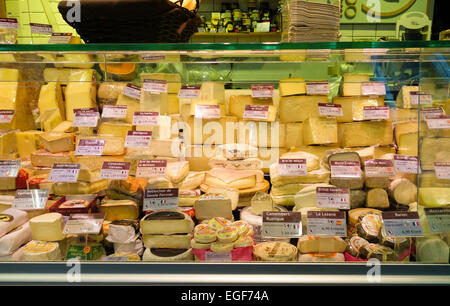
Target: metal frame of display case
column 195, row 273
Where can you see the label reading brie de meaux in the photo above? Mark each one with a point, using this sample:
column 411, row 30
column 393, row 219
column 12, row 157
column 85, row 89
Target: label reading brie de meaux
column 90, row 147
column 151, row 168
column 406, row 164
column 420, row 98
column 376, row 112
column 438, row 219
column 115, row 170
column 138, row 139
column 132, row 91
column 402, row 224
column 78, row 224
column 9, row 168
column 33, row 199
column 332, row 197
column 206, row 111
column 39, row 28
column 155, row 86
column 262, row 91
column 158, row 199
column 327, row 109
column 145, row 118
column 282, row 224
column 114, row 111
column 64, row 173
column 317, row 88
column 60, row 38
column 379, row 168
column 6, row 115
column 442, row 170
column 9, row 23
column 373, row 89
column 292, row 167
column 85, row 117
column 256, row 112
column 189, row 92
column 327, row 223
column 438, row 122
column 345, row 169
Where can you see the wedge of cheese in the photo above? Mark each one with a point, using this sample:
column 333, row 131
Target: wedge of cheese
column 212, row 91
column 321, row 175
column 287, row 189
column 240, row 179
column 320, row 130
column 292, row 86
column 211, row 131
column 377, row 198
column 60, row 75
column 115, row 210
column 294, row 135
column 262, row 134
column 114, row 128
column 95, row 162
column 64, row 127
column 57, row 142
column 50, row 119
column 42, row 158
column 192, row 181
column 404, row 97
column 402, row 128
column 177, row 171
column 80, row 91
column 353, row 107
column 230, row 193
column 108, row 93
column 47, row 227
column 307, row 196
column 236, row 105
column 366, row 133
column 408, row 144
column 299, row 108
column 27, row 143
column 352, row 84
column 51, row 97
column 434, row 150
column 133, row 105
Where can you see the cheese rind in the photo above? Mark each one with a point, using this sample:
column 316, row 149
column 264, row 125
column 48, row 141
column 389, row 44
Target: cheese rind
column 47, row 227
column 182, row 223
column 116, row 210
column 377, row 198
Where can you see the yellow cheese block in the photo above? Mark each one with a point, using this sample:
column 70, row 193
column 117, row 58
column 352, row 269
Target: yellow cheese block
column 61, row 75
column 262, row 134
column 434, row 150
column 51, row 97
column 320, row 130
column 163, row 129
column 402, row 128
column 154, row 102
column 133, row 105
column 116, row 210
column 399, row 115
column 212, row 91
column 434, row 196
column 15, row 95
column 173, row 80
column 82, row 61
column 408, row 144
column 27, row 142
column 64, row 127
column 299, row 108
column 113, row 145
column 292, row 86
column 404, row 97
column 50, row 119
column 174, row 104
column 94, row 163
column 80, row 91
column 8, row 143
column 211, row 131
column 294, row 135
column 352, row 84
column 318, row 151
column 42, row 158
column 115, row 128
column 237, row 103
column 365, row 133
column 353, row 107
column 57, row 142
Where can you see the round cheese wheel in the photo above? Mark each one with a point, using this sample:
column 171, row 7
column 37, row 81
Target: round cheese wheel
column 243, row 241
column 220, row 247
column 228, row 234
column 41, row 251
column 201, row 246
column 205, row 235
column 275, row 251
column 218, row 223
column 242, row 226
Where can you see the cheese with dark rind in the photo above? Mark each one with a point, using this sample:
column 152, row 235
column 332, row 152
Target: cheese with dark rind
column 167, row 255
column 354, row 245
column 369, row 227
column 380, row 252
column 166, row 222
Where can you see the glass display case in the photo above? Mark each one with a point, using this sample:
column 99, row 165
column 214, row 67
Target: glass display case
column 272, row 163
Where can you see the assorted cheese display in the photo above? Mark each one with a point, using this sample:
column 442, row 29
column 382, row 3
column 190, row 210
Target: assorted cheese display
column 197, row 179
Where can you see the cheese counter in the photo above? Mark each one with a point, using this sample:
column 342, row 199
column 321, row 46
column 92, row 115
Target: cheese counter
column 333, row 155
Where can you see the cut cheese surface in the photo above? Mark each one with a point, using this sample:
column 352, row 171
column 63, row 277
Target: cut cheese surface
column 292, row 86
column 366, row 133
column 166, row 222
column 434, row 196
column 294, row 135
column 307, row 196
column 177, row 171
column 27, row 143
column 212, row 91
column 80, row 92
column 299, row 108
column 51, row 97
column 321, row 244
column 237, row 104
column 352, row 84
column 118, row 129
column 353, row 107
column 47, row 227
column 320, row 130
column 212, row 205
column 41, row 251
column 57, row 142
column 434, row 150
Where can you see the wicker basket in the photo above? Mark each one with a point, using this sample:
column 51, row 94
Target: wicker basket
column 132, row 21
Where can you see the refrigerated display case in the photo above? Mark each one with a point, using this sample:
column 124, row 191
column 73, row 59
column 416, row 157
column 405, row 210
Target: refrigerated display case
column 276, row 163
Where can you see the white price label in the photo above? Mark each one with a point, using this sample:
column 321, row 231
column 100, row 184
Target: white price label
column 9, row 168
column 60, row 38
column 85, row 117
column 442, row 170
column 189, row 92
column 145, row 118
column 138, row 139
column 420, row 98
column 155, row 86
column 115, row 170
column 38, row 28
column 379, row 168
column 158, row 199
column 9, row 23
column 292, row 167
column 376, row 112
column 406, row 164
column 64, row 173
column 218, row 257
column 327, row 223
column 373, row 89
column 431, row 112
column 345, row 169
column 206, row 111
column 326, row 109
column 6, row 115
column 90, row 147
column 256, row 112
column 79, row 224
column 332, row 197
column 438, row 122
column 262, row 91
column 114, row 111
column 151, row 168
column 402, row 224
column 132, row 91
column 282, row 224
column 317, row 88
column 438, row 219
column 33, row 199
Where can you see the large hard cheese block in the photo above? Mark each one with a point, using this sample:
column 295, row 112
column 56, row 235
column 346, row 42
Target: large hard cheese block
column 292, row 86
column 116, row 210
column 294, row 135
column 299, row 108
column 211, row 205
column 212, row 91
column 118, row 129
column 51, row 97
column 80, row 91
column 27, row 143
column 166, row 222
column 8, row 143
column 57, row 142
column 434, row 150
column 353, row 107
column 404, row 97
column 320, row 130
column 318, row 244
column 236, row 105
column 133, row 105
column 46, row 159
column 14, row 95
column 352, row 84
column 155, row 102
column 47, row 227
column 240, row 179
column 407, row 144
column 366, row 133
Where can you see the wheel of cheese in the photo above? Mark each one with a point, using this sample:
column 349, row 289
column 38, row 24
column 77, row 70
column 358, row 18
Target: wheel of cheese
column 10, row 219
column 41, row 251
column 218, row 223
column 242, row 226
column 369, row 227
column 228, row 234
column 355, row 214
column 355, row 244
column 205, row 235
column 275, row 251
column 220, row 247
column 243, row 241
column 247, row 192
column 200, row 246
column 167, row 255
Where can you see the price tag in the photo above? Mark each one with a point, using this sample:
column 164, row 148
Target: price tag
column 262, row 91
column 431, row 112
column 327, row 223
column 332, row 197
column 189, row 92
column 6, row 116
column 373, row 89
column 206, row 111
column 9, row 168
column 151, row 168
column 438, row 122
column 85, row 117
column 218, row 257
column 379, row 168
column 326, row 109
column 317, row 88
column 442, row 170
column 9, row 23
column 90, row 147
column 155, row 86
column 345, row 169
column 292, row 167
column 132, row 91
column 38, row 28
column 256, row 112
column 402, row 224
column 152, row 57
column 114, row 111
column 60, row 38
column 421, row 97
column 145, row 118
column 376, row 112
column 33, row 199
column 64, row 173
column 438, row 219
column 115, row 170
column 79, row 224
column 138, row 139
column 282, row 224
column 406, row 164
column 158, row 199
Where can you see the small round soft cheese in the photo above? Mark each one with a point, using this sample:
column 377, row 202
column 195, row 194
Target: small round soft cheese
column 228, row 234
column 205, row 235
column 220, row 247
